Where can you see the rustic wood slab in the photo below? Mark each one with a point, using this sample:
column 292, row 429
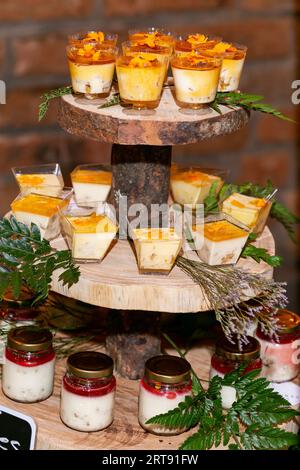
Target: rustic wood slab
column 116, row 283
column 167, row 126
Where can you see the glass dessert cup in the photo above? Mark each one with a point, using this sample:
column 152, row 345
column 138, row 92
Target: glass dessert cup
column 89, row 231
column 250, row 211
column 196, row 79
column 92, row 69
column 152, row 35
column 233, row 58
column 220, row 240
column 40, row 179
column 99, row 37
column 41, row 210
column 156, row 248
column 140, row 82
column 191, row 185
column 187, row 43
column 91, row 183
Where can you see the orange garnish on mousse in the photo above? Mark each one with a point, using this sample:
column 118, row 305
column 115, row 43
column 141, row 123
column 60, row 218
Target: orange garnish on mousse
column 95, row 36
column 195, row 39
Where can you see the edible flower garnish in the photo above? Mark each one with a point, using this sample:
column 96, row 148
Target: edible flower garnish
column 95, row 36
column 197, row 39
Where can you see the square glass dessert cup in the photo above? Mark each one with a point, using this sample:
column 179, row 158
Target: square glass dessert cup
column 196, row 79
column 157, row 246
column 89, row 231
column 41, row 179
column 186, row 43
column 191, row 185
column 233, row 58
column 152, row 35
column 100, row 37
column 219, row 240
column 41, row 210
column 140, row 81
column 91, row 183
column 250, row 211
column 92, row 69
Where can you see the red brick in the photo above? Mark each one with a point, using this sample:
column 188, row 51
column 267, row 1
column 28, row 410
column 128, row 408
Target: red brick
column 267, row 5
column 261, row 166
column 131, row 7
column 21, row 110
column 94, row 152
column 21, row 10
column 272, row 130
column 40, row 55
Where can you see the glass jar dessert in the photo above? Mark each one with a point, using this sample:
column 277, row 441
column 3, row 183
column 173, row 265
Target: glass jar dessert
column 88, row 232
column 196, row 79
column 250, row 211
column 40, row 179
column 92, row 69
column 191, row 185
column 228, row 356
column 220, row 240
column 91, row 183
column 42, row 211
column 158, row 36
column 28, row 369
column 187, row 43
column 88, row 392
column 166, row 383
column 280, row 353
column 140, row 81
column 100, row 37
column 233, row 58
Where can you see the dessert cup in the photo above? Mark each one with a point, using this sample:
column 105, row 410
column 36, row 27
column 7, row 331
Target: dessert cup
column 251, row 211
column 41, row 210
column 192, row 185
column 140, row 81
column 187, row 43
column 196, row 79
column 89, row 231
column 100, row 37
column 40, row 179
column 92, row 69
column 91, row 183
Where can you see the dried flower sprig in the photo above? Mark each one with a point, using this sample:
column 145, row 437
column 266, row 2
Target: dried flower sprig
column 224, row 287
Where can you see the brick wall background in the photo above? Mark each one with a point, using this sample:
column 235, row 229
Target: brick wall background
column 32, row 60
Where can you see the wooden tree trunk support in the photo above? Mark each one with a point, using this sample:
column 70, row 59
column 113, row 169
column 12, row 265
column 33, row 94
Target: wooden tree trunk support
column 133, row 338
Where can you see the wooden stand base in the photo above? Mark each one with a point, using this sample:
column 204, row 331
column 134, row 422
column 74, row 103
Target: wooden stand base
column 133, row 338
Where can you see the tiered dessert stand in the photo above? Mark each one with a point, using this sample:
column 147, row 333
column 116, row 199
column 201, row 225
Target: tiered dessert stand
column 141, row 159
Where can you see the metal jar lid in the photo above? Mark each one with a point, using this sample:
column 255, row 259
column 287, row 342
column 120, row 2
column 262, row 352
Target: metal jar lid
column 231, row 351
column 90, row 365
column 287, row 321
column 167, row 369
column 29, row 339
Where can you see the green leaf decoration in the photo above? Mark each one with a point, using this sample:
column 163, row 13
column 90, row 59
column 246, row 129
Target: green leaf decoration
column 51, row 95
column 261, row 254
column 211, row 201
column 113, row 100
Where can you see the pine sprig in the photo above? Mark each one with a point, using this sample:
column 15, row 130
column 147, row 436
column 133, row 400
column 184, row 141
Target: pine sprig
column 51, row 95
column 247, row 101
column 26, row 258
column 113, row 100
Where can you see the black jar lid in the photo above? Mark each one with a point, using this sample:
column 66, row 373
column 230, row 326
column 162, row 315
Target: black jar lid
column 90, row 365
column 167, row 369
column 230, row 350
column 29, row 339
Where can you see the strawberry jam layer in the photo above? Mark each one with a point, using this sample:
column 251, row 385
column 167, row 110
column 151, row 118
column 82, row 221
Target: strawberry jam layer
column 167, row 391
column 89, row 387
column 282, row 338
column 28, row 359
column 223, row 366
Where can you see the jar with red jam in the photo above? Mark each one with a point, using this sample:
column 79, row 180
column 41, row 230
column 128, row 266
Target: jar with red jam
column 229, row 356
column 88, row 392
column 28, row 369
column 166, row 383
column 280, row 354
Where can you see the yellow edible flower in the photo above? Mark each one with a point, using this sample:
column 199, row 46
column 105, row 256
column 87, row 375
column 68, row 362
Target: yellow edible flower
column 97, row 36
column 222, row 47
column 197, row 39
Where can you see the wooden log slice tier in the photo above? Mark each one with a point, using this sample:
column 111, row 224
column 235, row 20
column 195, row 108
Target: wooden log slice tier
column 116, row 283
column 166, row 126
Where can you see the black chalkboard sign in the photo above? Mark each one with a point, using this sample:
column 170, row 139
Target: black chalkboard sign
column 17, row 431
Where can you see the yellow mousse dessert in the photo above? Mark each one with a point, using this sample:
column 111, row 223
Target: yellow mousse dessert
column 196, row 79
column 99, row 37
column 40, row 179
column 91, row 68
column 220, row 242
column 88, row 236
column 251, row 211
column 40, row 210
column 156, row 248
column 191, row 186
column 140, row 80
column 232, row 65
column 91, row 183
column 184, row 45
